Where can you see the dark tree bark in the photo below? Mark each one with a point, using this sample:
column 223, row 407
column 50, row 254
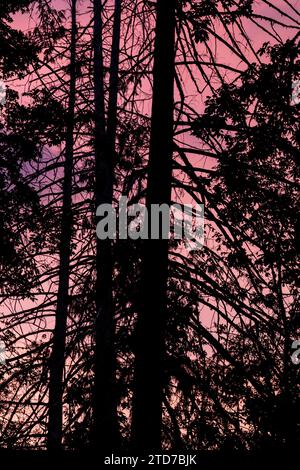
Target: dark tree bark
column 105, row 432
column 57, row 360
column 150, row 333
column 114, row 82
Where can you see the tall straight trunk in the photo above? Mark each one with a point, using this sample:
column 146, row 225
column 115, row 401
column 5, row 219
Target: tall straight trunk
column 114, row 81
column 150, row 333
column 57, row 360
column 105, row 432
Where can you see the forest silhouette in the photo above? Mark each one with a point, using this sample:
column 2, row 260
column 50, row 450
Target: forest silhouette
column 142, row 346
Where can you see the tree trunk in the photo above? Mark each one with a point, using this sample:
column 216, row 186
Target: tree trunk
column 57, row 360
column 114, row 81
column 150, row 333
column 105, row 432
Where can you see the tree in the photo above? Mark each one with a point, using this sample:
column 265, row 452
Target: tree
column 105, row 405
column 254, row 125
column 15, row 151
column 151, row 324
column 57, row 361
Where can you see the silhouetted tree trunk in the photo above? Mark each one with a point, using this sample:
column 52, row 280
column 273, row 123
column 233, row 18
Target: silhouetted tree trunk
column 105, row 404
column 114, row 82
column 148, row 393
column 57, row 360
